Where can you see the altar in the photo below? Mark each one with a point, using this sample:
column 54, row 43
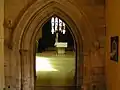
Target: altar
column 58, row 26
column 60, row 46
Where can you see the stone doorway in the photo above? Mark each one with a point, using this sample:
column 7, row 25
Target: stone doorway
column 27, row 31
column 55, row 71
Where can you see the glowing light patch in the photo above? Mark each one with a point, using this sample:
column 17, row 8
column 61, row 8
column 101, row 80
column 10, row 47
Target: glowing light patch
column 43, row 64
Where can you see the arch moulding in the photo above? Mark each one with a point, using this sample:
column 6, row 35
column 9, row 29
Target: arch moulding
column 27, row 31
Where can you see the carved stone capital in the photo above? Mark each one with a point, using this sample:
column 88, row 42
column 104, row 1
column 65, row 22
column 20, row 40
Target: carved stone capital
column 8, row 24
column 23, row 51
column 8, row 44
column 96, row 45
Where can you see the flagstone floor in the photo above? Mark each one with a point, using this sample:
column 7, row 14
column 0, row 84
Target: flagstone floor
column 55, row 72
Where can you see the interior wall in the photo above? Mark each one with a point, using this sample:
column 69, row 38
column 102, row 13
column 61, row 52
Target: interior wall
column 113, row 29
column 93, row 12
column 1, row 45
column 14, row 9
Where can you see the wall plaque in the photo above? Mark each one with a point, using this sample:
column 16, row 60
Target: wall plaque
column 114, row 48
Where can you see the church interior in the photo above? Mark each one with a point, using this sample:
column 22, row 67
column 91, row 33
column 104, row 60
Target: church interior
column 59, row 45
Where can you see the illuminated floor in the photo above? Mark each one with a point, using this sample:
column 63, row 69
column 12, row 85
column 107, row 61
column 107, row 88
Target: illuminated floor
column 54, row 70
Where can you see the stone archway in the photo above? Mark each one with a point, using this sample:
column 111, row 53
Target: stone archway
column 27, row 31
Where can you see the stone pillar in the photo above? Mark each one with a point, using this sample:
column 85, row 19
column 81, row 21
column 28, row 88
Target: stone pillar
column 32, row 55
column 79, row 70
column 1, row 45
column 13, row 79
column 25, row 70
column 86, row 71
column 1, row 63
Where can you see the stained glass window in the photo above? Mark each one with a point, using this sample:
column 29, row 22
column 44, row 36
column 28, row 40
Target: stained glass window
column 57, row 25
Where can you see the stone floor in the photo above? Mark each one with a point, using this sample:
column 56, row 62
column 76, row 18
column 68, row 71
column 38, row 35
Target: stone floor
column 55, row 72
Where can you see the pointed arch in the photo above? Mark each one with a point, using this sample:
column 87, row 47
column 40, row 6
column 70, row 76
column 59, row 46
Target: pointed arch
column 54, row 5
column 28, row 29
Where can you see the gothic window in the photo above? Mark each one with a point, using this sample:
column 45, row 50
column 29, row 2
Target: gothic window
column 57, row 25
